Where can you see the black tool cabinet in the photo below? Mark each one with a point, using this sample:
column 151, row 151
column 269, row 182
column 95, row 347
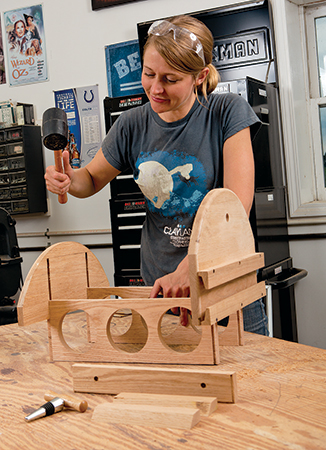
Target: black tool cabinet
column 22, row 184
column 127, row 218
column 127, row 206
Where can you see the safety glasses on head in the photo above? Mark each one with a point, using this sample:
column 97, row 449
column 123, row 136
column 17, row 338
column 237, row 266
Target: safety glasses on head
column 163, row 27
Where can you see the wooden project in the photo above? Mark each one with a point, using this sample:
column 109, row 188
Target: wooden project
column 222, row 261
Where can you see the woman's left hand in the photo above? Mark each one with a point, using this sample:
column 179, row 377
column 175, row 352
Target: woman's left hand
column 175, row 284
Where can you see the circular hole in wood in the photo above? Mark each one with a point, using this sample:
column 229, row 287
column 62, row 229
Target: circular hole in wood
column 176, row 336
column 76, row 332
column 227, row 217
column 127, row 331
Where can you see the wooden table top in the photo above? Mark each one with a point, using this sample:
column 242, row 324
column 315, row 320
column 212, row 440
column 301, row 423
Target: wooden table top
column 281, row 405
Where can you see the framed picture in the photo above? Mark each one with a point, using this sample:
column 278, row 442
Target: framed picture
column 25, row 41
column 123, row 66
column 99, row 4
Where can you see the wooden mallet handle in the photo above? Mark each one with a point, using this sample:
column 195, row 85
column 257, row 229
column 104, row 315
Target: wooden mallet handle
column 55, row 137
column 69, row 401
column 62, row 198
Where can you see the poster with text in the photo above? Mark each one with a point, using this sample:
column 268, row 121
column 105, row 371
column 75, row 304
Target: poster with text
column 2, row 60
column 25, row 43
column 123, row 66
column 83, row 115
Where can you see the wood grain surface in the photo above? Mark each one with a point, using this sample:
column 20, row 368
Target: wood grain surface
column 206, row 405
column 281, row 404
column 221, row 236
column 147, row 415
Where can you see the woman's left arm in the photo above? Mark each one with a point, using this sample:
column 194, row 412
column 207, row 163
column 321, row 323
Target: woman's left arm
column 238, row 167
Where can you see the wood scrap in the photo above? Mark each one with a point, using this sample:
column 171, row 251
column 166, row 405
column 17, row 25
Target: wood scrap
column 206, row 405
column 147, row 415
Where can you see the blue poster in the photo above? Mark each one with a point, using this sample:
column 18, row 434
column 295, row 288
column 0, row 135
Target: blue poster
column 83, row 114
column 123, row 69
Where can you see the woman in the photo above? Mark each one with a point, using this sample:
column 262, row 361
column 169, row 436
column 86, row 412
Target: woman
column 183, row 143
column 19, row 37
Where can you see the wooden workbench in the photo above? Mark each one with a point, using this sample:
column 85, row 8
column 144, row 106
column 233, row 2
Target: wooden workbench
column 281, row 389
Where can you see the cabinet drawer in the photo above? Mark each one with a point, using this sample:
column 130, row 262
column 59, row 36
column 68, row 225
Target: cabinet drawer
column 15, row 133
column 18, row 192
column 15, row 149
column 5, row 194
column 4, row 179
column 17, row 178
column 3, row 165
column 19, row 206
column 16, row 163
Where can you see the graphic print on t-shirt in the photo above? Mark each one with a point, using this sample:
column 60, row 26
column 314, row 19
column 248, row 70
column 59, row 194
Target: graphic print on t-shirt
column 174, row 184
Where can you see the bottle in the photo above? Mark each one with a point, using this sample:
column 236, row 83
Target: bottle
column 75, row 157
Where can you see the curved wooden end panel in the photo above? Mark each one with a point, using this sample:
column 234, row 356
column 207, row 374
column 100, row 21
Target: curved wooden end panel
column 221, row 235
column 62, row 271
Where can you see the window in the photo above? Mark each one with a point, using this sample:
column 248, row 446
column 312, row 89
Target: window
column 315, row 21
column 320, row 24
column 322, row 114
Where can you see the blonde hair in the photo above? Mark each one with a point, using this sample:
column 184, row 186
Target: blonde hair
column 178, row 55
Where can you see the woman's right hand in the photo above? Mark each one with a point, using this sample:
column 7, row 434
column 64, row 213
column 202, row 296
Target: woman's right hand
column 56, row 182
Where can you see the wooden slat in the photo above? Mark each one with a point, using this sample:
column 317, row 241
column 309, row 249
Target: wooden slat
column 206, row 405
column 233, row 333
column 215, row 276
column 236, row 302
column 112, row 379
column 147, row 415
column 120, row 291
column 103, row 348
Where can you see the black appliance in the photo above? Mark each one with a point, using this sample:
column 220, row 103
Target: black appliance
column 269, row 212
column 10, row 268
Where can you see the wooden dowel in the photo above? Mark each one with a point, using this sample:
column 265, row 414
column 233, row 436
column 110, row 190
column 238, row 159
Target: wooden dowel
column 69, row 401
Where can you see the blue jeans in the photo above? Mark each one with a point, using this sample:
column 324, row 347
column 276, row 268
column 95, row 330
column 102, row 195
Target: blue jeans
column 255, row 319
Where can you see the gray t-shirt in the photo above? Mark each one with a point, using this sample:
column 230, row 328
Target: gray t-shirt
column 175, row 165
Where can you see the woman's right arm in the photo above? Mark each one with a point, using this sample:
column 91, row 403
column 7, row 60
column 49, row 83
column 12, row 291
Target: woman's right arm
column 82, row 182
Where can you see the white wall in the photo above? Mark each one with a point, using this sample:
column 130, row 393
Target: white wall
column 75, row 41
column 310, row 292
